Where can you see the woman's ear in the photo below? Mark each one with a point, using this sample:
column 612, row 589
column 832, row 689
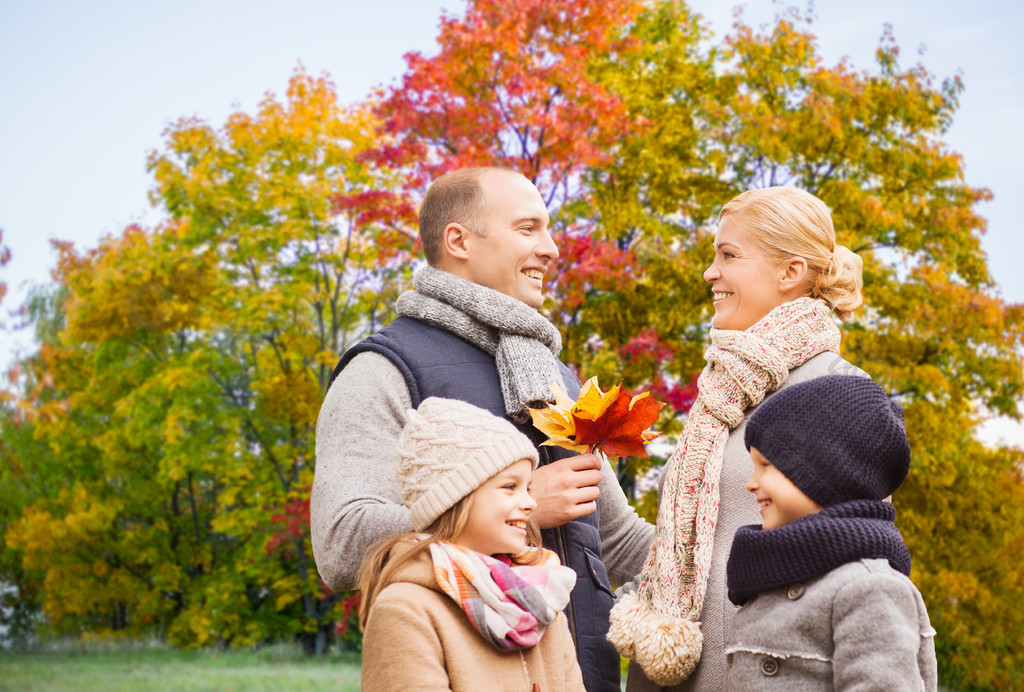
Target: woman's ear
column 453, row 241
column 793, row 275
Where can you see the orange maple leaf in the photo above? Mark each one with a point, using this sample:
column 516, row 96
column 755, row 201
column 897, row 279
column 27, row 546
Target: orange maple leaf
column 556, row 421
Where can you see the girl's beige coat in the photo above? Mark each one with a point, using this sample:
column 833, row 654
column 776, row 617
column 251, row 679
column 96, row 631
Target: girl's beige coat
column 417, row 638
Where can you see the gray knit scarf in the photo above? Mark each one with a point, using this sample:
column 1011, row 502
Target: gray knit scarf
column 524, row 344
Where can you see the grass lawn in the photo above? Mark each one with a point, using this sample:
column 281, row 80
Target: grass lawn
column 133, row 669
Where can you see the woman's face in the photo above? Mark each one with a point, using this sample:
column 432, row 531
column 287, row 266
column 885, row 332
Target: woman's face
column 745, row 285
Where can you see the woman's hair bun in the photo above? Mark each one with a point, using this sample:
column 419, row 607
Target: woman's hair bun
column 841, row 283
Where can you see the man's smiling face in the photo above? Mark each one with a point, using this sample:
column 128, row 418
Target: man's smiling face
column 515, row 249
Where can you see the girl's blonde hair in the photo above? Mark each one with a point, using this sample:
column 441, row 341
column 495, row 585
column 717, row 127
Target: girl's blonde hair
column 787, row 222
column 378, row 565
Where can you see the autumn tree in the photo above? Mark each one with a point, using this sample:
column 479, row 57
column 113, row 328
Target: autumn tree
column 510, row 86
column 5, row 257
column 180, row 398
column 518, row 84
column 695, row 122
column 24, row 466
column 933, row 330
column 652, row 201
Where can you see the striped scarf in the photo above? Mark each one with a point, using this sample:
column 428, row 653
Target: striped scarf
column 509, row 605
column 657, row 626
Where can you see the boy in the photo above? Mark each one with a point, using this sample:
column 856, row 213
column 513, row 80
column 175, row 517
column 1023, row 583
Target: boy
column 826, row 602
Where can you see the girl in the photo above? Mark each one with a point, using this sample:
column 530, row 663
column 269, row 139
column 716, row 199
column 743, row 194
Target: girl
column 468, row 602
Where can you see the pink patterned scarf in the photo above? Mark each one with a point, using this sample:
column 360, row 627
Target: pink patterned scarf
column 509, row 605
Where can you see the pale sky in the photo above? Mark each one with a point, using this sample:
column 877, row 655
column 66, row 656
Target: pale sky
column 88, row 87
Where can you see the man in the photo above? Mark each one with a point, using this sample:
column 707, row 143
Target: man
column 471, row 331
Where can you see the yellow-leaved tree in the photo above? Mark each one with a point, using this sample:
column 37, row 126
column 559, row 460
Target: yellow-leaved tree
column 178, row 400
column 933, row 330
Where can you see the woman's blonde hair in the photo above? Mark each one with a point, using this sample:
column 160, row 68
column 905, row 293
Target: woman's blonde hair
column 787, row 222
column 378, row 565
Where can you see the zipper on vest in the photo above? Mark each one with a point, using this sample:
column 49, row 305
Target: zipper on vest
column 564, row 557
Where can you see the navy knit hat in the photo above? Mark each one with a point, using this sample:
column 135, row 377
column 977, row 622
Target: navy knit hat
column 837, row 438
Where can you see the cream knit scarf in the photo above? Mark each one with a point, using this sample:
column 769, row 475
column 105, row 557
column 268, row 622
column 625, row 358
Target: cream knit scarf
column 524, row 344
column 657, row 626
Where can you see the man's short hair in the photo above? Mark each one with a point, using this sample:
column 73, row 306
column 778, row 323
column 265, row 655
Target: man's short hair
column 456, row 197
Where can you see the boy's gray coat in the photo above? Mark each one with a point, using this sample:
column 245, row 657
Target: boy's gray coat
column 862, row 626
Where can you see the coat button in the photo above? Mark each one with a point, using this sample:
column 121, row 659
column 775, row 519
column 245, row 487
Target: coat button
column 795, row 591
column 769, row 666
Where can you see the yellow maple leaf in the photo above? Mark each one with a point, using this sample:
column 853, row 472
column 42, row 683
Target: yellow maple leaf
column 556, row 421
column 592, row 402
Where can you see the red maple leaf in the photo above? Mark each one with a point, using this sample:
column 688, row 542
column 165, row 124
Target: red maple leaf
column 622, row 428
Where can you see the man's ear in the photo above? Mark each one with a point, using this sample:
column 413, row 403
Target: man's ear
column 453, row 241
column 794, row 272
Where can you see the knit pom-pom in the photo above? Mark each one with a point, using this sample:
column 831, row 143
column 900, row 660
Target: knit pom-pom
column 625, row 619
column 667, row 648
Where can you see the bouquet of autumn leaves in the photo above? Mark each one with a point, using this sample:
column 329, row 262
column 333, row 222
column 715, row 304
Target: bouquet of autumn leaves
column 613, row 422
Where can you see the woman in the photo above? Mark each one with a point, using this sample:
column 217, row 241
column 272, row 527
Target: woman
column 778, row 280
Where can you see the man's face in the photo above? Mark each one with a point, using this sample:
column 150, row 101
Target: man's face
column 516, row 249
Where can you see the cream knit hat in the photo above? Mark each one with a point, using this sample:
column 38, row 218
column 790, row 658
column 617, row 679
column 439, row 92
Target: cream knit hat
column 447, row 450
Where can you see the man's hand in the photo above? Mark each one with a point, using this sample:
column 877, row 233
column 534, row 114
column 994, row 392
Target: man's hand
column 566, row 489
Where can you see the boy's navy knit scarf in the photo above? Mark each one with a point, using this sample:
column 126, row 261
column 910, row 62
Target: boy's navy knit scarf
column 762, row 560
